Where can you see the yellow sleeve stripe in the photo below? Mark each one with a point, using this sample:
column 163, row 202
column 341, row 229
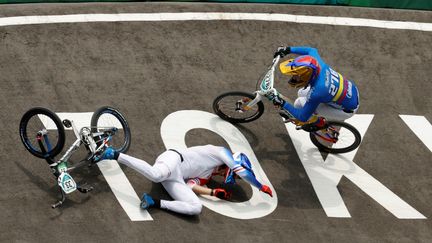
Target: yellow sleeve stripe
column 341, row 87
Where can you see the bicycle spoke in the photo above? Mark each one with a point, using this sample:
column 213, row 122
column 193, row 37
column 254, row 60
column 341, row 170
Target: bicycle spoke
column 108, row 121
column 228, row 107
column 346, row 138
column 37, row 124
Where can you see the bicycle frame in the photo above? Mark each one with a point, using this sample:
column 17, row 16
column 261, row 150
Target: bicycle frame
column 266, row 86
column 83, row 136
column 60, row 169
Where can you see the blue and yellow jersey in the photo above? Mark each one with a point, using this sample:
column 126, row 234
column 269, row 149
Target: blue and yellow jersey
column 329, row 87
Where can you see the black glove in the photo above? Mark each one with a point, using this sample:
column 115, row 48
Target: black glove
column 278, row 101
column 282, row 51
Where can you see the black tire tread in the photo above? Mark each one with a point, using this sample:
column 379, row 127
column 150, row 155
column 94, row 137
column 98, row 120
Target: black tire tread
column 350, row 148
column 236, row 120
column 24, row 136
column 107, row 109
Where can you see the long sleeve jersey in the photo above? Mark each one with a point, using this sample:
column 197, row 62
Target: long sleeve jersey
column 329, row 87
column 200, row 163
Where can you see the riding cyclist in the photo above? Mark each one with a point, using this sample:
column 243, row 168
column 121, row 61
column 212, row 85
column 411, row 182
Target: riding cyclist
column 323, row 91
column 184, row 173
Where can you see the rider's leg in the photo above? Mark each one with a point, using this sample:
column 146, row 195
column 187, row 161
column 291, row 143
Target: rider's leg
column 299, row 103
column 165, row 164
column 302, row 97
column 324, row 110
column 332, row 113
column 303, row 92
column 185, row 200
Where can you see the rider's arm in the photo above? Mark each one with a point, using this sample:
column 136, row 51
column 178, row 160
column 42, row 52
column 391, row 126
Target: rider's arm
column 304, row 113
column 198, row 189
column 305, row 50
column 197, row 186
column 245, row 174
column 201, row 190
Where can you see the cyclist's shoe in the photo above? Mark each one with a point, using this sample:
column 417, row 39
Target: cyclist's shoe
column 313, row 128
column 107, row 153
column 320, row 124
column 146, row 201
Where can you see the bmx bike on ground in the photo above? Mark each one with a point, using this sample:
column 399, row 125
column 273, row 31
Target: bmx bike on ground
column 243, row 107
column 43, row 135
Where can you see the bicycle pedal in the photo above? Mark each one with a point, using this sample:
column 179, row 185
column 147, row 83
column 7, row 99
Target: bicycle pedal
column 56, row 205
column 88, row 189
column 85, row 189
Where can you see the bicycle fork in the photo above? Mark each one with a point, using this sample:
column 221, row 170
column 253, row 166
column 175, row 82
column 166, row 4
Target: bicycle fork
column 250, row 104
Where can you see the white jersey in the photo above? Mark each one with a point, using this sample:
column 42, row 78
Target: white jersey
column 201, row 161
column 178, row 177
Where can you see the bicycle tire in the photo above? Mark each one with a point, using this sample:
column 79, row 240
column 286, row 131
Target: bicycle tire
column 23, row 129
column 322, row 147
column 232, row 119
column 125, row 144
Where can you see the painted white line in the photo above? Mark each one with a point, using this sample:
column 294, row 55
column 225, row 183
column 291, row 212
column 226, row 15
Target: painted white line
column 114, row 176
column 80, row 119
column 123, row 190
column 326, row 175
column 173, row 131
column 195, row 16
column 421, row 127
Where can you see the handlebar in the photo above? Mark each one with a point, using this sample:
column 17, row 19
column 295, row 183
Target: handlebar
column 266, row 88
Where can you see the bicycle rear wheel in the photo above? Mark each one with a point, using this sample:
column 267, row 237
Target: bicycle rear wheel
column 348, row 138
column 42, row 132
column 105, row 118
column 228, row 106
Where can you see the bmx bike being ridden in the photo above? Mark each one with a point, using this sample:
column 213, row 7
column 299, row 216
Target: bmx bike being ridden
column 242, row 107
column 43, row 135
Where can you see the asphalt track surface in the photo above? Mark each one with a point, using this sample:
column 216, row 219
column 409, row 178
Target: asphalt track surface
column 151, row 69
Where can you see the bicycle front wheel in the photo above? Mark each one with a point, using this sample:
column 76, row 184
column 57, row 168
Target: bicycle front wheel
column 42, row 132
column 348, row 138
column 105, row 118
column 229, row 107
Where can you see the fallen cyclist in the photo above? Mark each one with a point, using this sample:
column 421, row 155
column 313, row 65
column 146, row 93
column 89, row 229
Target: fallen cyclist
column 184, row 173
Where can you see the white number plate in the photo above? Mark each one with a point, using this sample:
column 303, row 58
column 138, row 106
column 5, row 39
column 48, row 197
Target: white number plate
column 66, row 182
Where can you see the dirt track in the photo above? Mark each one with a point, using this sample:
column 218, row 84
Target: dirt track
column 152, row 69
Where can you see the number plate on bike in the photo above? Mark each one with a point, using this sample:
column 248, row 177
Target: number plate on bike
column 62, row 167
column 66, row 182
